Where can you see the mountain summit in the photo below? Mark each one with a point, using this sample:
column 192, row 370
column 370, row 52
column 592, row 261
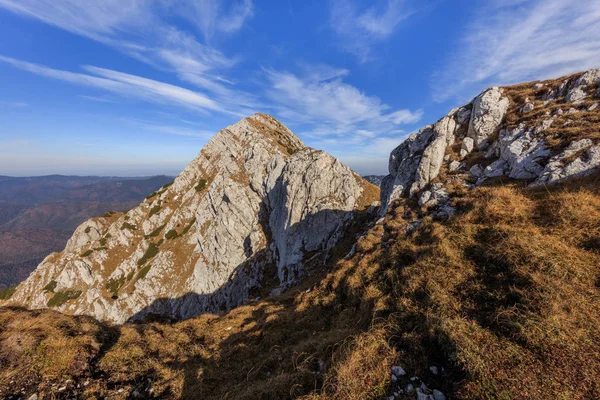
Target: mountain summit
column 253, row 205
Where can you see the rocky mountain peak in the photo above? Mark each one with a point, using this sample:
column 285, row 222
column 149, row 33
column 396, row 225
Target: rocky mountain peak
column 254, row 202
column 538, row 132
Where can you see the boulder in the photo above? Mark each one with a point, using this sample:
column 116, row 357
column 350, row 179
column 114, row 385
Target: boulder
column 488, row 111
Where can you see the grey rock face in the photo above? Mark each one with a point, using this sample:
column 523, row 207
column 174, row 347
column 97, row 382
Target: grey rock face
column 517, row 153
column 255, row 196
column 488, row 111
column 587, row 161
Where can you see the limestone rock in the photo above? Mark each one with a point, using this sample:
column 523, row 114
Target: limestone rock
column 586, row 161
column 466, row 147
column 255, row 196
column 488, row 111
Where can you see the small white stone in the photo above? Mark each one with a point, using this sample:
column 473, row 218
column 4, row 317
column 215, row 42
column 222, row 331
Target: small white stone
column 433, row 369
column 454, row 165
column 410, row 388
column 593, row 107
column 398, row 371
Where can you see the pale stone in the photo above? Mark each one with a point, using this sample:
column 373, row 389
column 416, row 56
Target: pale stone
column 488, row 111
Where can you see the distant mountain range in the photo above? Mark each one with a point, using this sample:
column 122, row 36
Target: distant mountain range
column 39, row 214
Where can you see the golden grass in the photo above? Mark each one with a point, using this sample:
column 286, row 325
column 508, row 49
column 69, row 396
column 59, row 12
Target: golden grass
column 504, row 296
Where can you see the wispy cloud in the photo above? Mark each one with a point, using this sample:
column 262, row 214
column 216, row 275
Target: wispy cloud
column 521, row 40
column 123, row 84
column 216, row 16
column 139, row 29
column 322, row 98
column 18, row 104
column 360, row 29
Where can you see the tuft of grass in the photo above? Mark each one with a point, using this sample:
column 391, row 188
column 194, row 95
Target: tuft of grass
column 108, row 214
column 143, row 272
column 154, row 210
column 7, row 293
column 50, row 286
column 127, row 225
column 87, row 253
column 61, row 298
column 155, row 232
column 150, row 252
column 113, row 285
column 188, row 226
column 201, row 185
column 171, row 234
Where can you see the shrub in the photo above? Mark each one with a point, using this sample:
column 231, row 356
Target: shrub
column 50, row 286
column 130, row 276
column 88, row 229
column 127, row 225
column 113, row 285
column 61, row 298
column 154, row 210
column 155, row 232
column 172, row 234
column 109, row 214
column 143, row 272
column 87, row 253
column 102, row 241
column 7, row 293
column 150, row 252
column 166, row 185
column 189, row 226
column 201, row 185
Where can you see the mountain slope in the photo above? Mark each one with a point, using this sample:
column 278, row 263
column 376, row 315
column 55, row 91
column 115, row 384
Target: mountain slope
column 39, row 214
column 255, row 200
column 471, row 287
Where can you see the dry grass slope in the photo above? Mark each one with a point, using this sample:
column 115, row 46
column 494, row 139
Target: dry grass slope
column 504, row 297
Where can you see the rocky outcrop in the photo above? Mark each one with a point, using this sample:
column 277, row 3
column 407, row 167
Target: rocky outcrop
column 255, row 200
column 489, row 146
column 488, row 111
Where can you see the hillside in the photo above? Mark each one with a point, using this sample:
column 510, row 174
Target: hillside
column 481, row 280
column 39, row 214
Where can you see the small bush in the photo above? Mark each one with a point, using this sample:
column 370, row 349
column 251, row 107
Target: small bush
column 154, row 210
column 201, row 185
column 172, row 234
column 166, row 185
column 108, row 214
column 151, row 252
column 155, row 232
column 87, row 253
column 127, row 225
column 130, row 276
column 50, row 286
column 143, row 272
column 113, row 285
column 102, row 241
column 188, row 227
column 61, row 298
column 88, row 229
column 7, row 293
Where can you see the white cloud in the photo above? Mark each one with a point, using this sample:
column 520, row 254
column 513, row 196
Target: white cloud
column 213, row 16
column 333, row 106
column 359, row 30
column 522, row 40
column 123, row 84
column 136, row 28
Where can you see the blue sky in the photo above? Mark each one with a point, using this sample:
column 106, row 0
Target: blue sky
column 136, row 87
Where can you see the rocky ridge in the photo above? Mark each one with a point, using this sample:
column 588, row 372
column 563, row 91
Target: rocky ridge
column 256, row 201
column 541, row 132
